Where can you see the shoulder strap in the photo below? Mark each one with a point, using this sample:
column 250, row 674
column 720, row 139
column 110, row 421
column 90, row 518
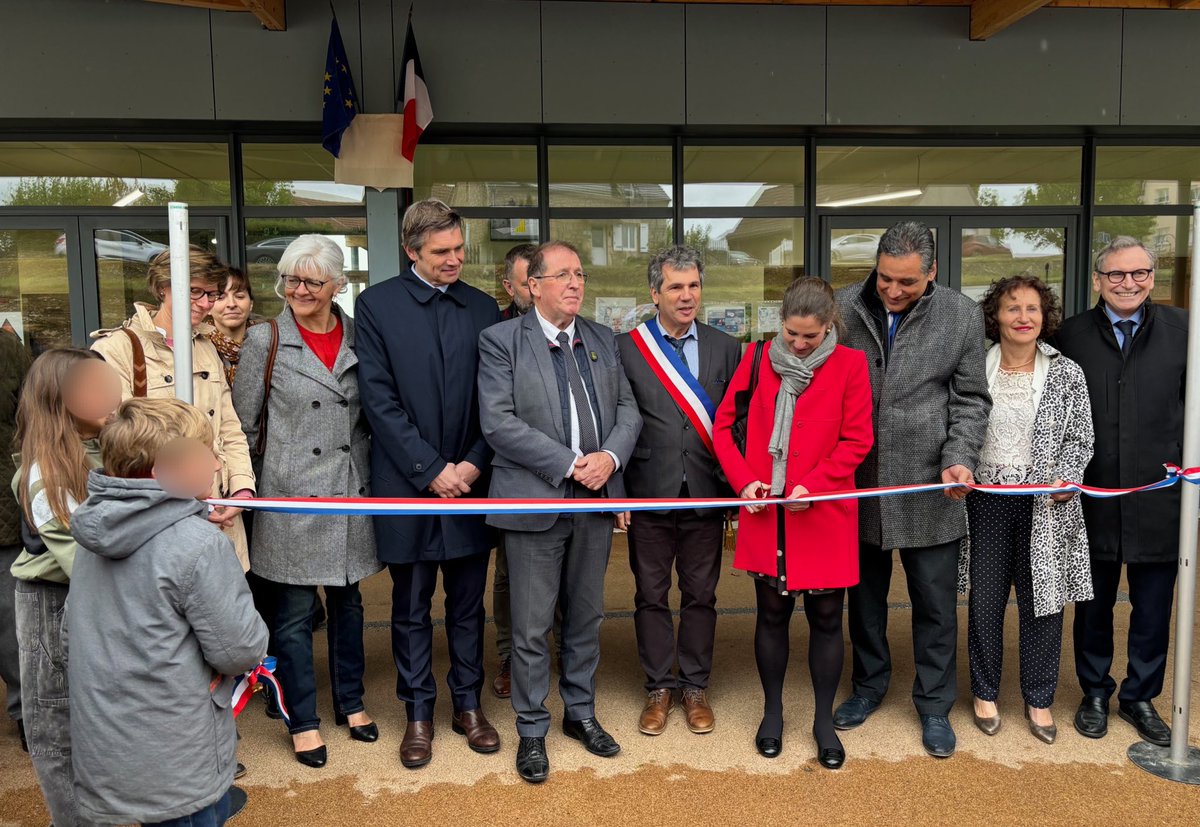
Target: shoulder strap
column 754, row 366
column 139, row 363
column 260, row 443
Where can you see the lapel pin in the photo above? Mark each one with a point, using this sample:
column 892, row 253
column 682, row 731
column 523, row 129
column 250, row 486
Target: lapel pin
column 593, row 355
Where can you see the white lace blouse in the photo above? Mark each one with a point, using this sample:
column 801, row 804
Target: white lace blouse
column 1007, row 455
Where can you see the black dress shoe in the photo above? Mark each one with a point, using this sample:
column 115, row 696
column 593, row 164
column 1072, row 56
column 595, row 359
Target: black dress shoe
column 273, row 710
column 1145, row 720
column 831, row 758
column 1091, row 719
column 853, row 711
column 239, row 770
column 595, row 739
column 532, row 764
column 937, row 736
column 21, row 732
column 314, row 758
column 367, row 733
column 769, row 747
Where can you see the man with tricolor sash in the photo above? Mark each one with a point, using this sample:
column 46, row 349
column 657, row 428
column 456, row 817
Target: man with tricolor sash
column 679, row 369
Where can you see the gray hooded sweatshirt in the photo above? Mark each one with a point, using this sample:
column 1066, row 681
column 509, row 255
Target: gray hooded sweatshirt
column 158, row 618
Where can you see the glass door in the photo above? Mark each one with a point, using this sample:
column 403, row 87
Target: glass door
column 996, row 246
column 118, row 253
column 37, row 302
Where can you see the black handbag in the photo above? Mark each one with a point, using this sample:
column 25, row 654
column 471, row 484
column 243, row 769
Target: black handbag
column 741, row 403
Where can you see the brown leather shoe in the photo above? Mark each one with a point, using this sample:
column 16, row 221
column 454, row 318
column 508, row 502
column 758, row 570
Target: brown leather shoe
column 481, row 736
column 417, row 747
column 502, row 685
column 659, row 704
column 699, row 714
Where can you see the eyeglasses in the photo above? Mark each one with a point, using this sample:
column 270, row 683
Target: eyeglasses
column 200, row 295
column 1117, row 276
column 565, row 277
column 314, row 286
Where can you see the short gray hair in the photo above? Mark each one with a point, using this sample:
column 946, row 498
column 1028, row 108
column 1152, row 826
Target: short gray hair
column 679, row 257
column 313, row 253
column 1123, row 242
column 906, row 238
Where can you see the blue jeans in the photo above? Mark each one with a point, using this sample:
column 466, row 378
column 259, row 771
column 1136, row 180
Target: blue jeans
column 294, row 651
column 214, row 815
column 45, row 705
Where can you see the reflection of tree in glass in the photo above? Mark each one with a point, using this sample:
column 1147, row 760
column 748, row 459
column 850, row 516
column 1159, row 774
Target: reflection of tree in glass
column 104, row 192
column 1107, row 227
column 698, row 236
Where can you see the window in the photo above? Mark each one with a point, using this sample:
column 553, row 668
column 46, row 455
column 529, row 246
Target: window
column 268, row 238
column 1169, row 236
column 477, row 175
column 34, row 298
column 1129, row 175
column 743, row 176
column 293, row 175
column 610, row 176
column 109, row 174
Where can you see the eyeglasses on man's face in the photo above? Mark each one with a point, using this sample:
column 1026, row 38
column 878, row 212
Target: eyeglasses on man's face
column 294, row 282
column 1115, row 277
column 564, row 277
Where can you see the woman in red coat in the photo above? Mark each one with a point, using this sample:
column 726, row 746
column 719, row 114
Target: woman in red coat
column 809, row 427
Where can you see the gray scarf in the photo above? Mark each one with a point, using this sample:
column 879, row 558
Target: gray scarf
column 795, row 373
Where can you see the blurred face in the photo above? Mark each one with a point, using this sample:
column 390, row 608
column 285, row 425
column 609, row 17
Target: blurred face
column 803, row 334
column 558, row 294
column 440, row 259
column 679, row 299
column 517, row 286
column 186, row 468
column 308, row 293
column 900, row 282
column 232, row 308
column 203, row 297
column 1020, row 317
column 1128, row 294
column 91, row 393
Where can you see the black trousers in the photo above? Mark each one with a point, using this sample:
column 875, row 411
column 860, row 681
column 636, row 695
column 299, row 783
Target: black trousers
column 932, row 574
column 463, row 580
column 1000, row 532
column 691, row 543
column 1151, row 593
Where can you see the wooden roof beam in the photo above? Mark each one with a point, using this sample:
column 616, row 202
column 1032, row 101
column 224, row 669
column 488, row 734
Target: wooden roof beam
column 989, row 17
column 270, row 13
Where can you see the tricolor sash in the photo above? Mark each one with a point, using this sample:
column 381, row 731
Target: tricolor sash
column 678, row 380
column 260, row 676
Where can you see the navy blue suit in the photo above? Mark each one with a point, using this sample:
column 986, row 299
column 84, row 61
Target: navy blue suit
column 418, row 351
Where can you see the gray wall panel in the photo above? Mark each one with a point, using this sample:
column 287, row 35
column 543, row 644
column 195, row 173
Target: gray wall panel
column 480, row 58
column 755, row 65
column 608, row 63
column 245, row 56
column 120, row 59
column 915, row 66
column 378, row 85
column 1161, row 80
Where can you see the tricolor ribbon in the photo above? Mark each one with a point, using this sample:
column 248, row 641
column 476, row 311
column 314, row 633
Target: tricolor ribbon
column 261, row 675
column 427, row 506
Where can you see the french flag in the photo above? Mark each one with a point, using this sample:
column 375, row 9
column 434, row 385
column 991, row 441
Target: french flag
column 414, row 100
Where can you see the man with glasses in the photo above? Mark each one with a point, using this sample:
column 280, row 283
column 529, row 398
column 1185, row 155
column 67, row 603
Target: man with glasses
column 558, row 411
column 1134, row 355
column 416, row 338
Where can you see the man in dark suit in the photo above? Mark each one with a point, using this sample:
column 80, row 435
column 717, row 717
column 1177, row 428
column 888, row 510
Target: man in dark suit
column 673, row 458
column 559, row 413
column 516, row 280
column 417, row 345
column 1134, row 356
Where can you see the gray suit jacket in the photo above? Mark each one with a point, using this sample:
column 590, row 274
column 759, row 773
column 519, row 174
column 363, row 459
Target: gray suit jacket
column 521, row 418
column 668, row 445
column 318, row 445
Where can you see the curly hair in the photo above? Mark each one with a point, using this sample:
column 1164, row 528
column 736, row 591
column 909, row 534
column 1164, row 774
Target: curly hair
column 1051, row 306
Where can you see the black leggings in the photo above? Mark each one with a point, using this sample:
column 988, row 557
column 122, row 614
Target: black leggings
column 825, row 655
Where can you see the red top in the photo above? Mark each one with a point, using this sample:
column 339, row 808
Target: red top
column 831, row 435
column 325, row 345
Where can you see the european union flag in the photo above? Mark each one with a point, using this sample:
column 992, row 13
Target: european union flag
column 339, row 101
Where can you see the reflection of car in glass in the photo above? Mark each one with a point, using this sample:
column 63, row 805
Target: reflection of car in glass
column 118, row 244
column 984, row 245
column 741, row 259
column 856, row 247
column 268, row 251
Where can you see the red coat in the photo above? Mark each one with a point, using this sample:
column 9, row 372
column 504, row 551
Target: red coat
column 831, row 434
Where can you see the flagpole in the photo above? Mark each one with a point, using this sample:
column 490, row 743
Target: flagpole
column 1180, row 762
column 181, row 299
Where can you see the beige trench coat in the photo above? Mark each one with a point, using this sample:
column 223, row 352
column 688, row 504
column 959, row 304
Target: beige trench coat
column 211, row 395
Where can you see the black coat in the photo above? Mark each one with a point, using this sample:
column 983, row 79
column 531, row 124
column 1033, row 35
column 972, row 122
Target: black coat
column 1137, row 410
column 417, row 356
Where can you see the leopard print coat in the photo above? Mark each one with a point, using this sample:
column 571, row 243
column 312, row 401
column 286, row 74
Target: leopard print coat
column 1062, row 448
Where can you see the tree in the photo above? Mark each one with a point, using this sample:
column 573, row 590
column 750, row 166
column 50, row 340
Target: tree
column 698, row 237
column 1107, row 227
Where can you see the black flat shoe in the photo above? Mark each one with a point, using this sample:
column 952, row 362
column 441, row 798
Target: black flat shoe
column 273, row 711
column 367, row 733
column 831, row 758
column 314, row 758
column 595, row 740
column 532, row 764
column 769, row 747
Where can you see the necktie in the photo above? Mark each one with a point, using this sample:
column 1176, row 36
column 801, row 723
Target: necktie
column 1126, row 328
column 588, row 443
column 677, row 344
column 895, row 324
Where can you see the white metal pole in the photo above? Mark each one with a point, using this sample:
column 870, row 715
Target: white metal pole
column 181, row 299
column 1180, row 762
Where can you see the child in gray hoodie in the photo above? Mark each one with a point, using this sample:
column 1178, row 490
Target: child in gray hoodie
column 158, row 620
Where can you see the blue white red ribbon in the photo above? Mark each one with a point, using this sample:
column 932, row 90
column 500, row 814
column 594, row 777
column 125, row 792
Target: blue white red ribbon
column 261, row 675
column 428, row 506
column 676, row 378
